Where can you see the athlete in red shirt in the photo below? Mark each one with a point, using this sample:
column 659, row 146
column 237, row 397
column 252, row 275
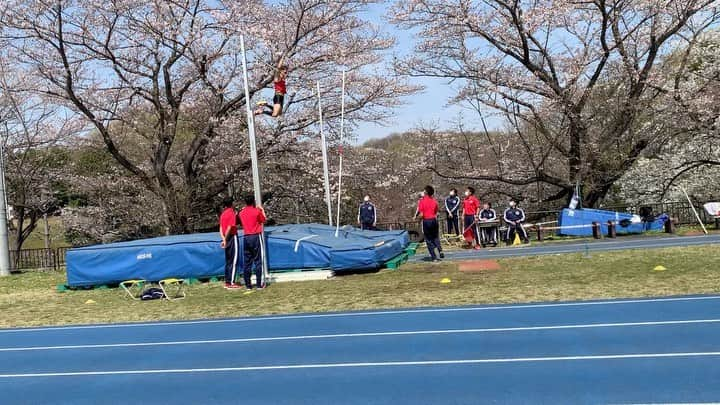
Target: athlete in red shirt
column 252, row 219
column 471, row 210
column 428, row 209
column 279, row 99
column 228, row 233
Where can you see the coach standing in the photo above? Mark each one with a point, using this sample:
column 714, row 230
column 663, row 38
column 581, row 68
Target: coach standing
column 228, row 233
column 471, row 210
column 428, row 209
column 252, row 219
column 452, row 207
column 367, row 215
column 514, row 217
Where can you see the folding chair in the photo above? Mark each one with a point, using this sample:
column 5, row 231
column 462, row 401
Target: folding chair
column 174, row 285
column 133, row 288
column 713, row 210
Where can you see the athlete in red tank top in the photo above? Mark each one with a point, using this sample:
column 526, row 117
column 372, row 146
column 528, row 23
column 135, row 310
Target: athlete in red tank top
column 275, row 110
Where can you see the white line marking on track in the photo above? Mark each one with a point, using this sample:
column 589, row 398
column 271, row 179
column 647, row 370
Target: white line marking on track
column 576, row 248
column 368, row 313
column 363, row 334
column 367, row 364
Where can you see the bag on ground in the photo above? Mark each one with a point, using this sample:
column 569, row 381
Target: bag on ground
column 152, row 293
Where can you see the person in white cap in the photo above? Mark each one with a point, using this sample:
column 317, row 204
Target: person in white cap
column 367, row 215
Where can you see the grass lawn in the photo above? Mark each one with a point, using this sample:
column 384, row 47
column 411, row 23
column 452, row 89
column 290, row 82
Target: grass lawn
column 31, row 298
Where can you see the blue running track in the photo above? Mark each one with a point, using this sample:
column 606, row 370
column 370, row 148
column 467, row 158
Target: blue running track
column 624, row 351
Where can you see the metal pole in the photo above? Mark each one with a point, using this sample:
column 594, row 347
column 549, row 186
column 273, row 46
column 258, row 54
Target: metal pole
column 693, row 209
column 342, row 139
column 326, row 174
column 253, row 153
column 4, row 248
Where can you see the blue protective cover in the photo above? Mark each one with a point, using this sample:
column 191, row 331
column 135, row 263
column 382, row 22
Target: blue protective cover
column 200, row 255
column 587, row 216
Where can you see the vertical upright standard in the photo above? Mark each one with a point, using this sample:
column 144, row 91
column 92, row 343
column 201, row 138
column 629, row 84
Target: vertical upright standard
column 340, row 152
column 4, row 247
column 326, row 174
column 702, row 225
column 253, row 155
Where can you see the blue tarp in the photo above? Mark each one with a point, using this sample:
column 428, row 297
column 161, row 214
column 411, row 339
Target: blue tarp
column 626, row 224
column 200, row 255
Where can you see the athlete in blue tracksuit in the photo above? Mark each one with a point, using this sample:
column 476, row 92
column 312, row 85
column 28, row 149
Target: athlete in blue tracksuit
column 488, row 235
column 452, row 208
column 367, row 215
column 514, row 217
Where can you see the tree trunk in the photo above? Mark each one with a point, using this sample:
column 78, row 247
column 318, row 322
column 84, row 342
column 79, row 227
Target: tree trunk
column 175, row 211
column 18, row 242
column 577, row 132
column 22, row 232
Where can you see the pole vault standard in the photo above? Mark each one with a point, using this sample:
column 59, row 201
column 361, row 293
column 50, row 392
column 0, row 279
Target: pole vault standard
column 693, row 210
column 340, row 150
column 4, row 250
column 253, row 156
column 326, row 174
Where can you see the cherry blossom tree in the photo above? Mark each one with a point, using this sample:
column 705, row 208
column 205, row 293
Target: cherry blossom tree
column 30, row 132
column 572, row 80
column 690, row 156
column 169, row 74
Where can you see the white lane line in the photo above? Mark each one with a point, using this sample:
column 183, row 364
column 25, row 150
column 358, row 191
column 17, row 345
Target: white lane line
column 574, row 248
column 363, row 334
column 499, row 254
column 368, row 313
column 366, row 364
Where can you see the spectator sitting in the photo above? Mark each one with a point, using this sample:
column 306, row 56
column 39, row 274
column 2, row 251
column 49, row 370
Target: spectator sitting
column 488, row 235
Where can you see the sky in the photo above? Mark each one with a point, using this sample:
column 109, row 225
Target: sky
column 428, row 106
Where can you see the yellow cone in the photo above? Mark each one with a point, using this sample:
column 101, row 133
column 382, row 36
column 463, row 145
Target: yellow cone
column 89, row 302
column 517, row 239
column 659, row 268
column 445, row 281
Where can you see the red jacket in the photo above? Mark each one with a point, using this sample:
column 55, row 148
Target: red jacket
column 471, row 205
column 252, row 220
column 228, row 220
column 428, row 207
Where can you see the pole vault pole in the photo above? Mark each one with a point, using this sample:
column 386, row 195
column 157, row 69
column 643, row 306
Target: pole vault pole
column 340, row 150
column 326, row 174
column 253, row 155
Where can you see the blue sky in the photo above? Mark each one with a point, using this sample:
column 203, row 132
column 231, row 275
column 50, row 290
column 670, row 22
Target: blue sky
column 428, row 106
